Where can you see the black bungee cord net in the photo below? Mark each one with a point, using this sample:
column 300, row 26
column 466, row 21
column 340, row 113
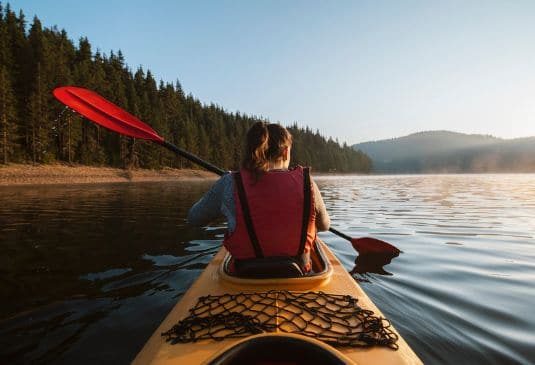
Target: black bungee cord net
column 334, row 319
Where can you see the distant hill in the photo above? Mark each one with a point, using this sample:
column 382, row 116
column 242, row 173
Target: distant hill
column 450, row 152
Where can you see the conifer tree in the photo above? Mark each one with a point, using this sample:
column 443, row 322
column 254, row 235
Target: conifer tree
column 39, row 101
column 7, row 97
column 60, row 73
column 7, row 116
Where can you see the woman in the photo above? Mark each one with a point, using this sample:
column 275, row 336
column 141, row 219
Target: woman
column 272, row 212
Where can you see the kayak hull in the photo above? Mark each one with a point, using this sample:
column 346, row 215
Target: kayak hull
column 214, row 281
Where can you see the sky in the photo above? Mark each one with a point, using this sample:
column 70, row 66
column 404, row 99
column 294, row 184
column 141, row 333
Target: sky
column 354, row 70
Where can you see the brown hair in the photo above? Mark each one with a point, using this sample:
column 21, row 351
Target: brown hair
column 264, row 143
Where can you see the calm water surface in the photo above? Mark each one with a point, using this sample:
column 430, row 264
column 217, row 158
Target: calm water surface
column 88, row 272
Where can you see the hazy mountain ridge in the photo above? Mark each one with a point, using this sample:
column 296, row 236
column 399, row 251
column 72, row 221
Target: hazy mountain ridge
column 450, row 152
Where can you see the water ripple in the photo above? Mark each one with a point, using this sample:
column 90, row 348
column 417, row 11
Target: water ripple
column 470, row 237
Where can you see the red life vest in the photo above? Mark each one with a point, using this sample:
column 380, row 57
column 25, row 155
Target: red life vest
column 275, row 215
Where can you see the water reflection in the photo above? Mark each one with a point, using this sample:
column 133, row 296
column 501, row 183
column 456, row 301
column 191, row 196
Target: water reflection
column 89, row 271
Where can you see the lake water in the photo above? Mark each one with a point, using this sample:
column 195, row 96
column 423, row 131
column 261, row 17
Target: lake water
column 88, row 272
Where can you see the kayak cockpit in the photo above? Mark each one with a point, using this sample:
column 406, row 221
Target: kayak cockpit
column 271, row 271
column 279, row 349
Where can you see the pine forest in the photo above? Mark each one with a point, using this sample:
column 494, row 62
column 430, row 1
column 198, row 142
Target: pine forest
column 35, row 128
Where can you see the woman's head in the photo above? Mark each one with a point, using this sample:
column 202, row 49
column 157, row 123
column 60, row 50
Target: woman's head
column 266, row 145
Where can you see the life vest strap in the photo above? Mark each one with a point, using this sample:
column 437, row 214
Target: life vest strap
column 306, row 210
column 247, row 215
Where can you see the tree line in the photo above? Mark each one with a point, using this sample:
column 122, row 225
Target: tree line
column 35, row 128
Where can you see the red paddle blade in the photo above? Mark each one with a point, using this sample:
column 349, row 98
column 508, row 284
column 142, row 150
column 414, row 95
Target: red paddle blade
column 99, row 110
column 368, row 245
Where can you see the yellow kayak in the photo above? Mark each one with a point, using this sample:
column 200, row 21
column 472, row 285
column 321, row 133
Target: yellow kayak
column 283, row 344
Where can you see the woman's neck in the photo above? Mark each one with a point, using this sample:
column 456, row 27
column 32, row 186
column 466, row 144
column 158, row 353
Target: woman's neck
column 277, row 165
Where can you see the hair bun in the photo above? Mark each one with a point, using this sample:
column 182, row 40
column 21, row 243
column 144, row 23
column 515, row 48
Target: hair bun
column 265, row 142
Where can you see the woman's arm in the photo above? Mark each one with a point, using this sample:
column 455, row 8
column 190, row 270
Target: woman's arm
column 323, row 221
column 208, row 208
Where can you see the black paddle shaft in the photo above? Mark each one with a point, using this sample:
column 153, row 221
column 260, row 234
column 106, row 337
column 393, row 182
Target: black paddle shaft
column 190, row 156
column 208, row 166
column 340, row 234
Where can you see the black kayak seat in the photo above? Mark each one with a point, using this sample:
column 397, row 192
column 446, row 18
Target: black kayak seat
column 277, row 350
column 268, row 267
column 275, row 267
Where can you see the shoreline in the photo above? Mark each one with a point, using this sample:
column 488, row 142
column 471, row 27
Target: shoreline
column 62, row 174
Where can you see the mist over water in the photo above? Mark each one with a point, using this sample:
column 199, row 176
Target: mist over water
column 88, row 272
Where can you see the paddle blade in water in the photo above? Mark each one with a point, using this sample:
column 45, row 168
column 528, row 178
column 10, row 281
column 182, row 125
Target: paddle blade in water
column 373, row 262
column 367, row 245
column 99, row 110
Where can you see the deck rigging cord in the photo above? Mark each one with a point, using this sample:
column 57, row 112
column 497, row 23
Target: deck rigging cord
column 334, row 319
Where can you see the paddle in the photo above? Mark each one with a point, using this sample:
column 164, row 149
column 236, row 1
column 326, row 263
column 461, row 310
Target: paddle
column 101, row 111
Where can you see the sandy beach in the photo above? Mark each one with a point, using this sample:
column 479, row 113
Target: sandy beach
column 21, row 174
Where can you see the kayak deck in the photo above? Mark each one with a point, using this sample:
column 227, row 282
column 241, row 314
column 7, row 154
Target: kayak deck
column 214, row 281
